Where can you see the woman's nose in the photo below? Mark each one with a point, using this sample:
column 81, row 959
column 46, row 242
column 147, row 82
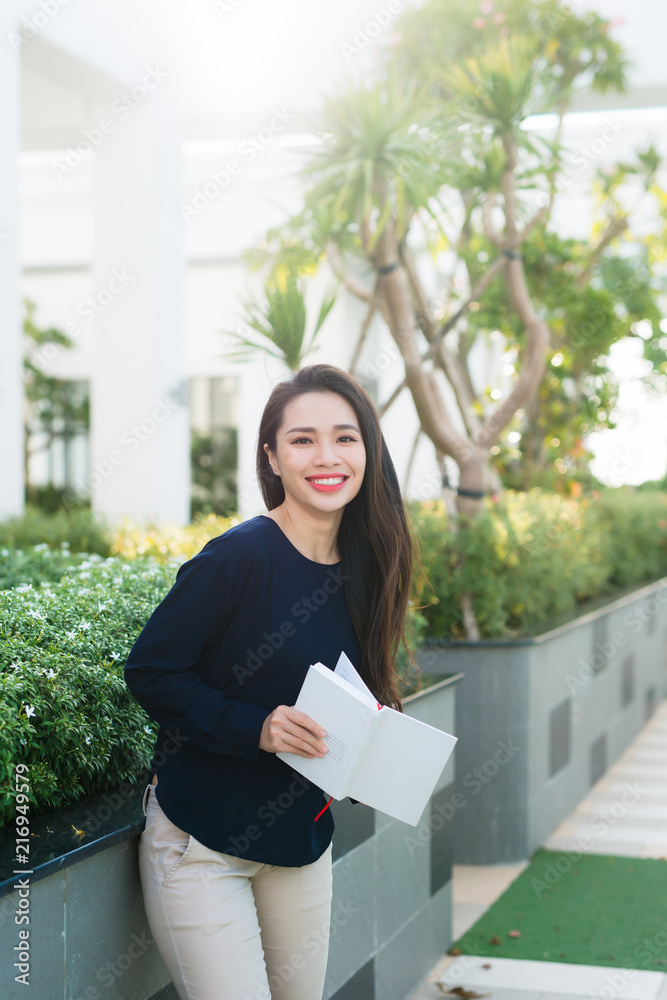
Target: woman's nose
column 327, row 454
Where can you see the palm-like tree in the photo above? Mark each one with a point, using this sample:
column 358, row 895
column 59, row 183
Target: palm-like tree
column 277, row 324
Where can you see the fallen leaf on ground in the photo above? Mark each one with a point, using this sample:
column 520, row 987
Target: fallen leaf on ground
column 495, row 940
column 454, row 951
column 461, row 991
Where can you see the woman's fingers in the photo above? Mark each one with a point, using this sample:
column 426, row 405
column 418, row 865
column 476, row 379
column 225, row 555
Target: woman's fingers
column 302, row 741
column 288, row 730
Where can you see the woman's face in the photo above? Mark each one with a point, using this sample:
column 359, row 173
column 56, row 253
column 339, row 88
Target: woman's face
column 319, row 439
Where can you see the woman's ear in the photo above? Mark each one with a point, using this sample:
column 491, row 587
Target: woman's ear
column 268, row 455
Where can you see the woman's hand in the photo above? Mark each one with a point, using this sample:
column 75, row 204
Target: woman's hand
column 287, row 730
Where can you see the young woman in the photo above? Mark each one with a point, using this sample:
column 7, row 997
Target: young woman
column 235, row 858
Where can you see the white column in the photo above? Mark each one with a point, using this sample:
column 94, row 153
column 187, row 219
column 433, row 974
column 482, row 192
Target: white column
column 140, row 444
column 254, row 389
column 12, row 483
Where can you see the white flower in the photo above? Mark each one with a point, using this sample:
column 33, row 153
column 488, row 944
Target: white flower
column 101, row 607
column 71, row 635
column 87, row 740
column 4, row 552
column 147, row 729
column 64, row 545
column 84, row 625
column 14, row 666
column 51, row 673
column 84, row 576
column 35, row 614
column 85, row 565
column 23, row 586
column 42, row 547
column 115, row 656
column 29, row 710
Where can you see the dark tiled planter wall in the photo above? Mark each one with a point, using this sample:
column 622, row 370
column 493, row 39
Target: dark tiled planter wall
column 391, row 911
column 541, row 720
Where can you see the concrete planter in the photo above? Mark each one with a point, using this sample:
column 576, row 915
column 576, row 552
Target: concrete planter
column 541, row 719
column 89, row 940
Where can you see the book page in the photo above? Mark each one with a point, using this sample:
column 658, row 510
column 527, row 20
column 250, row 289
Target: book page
column 345, row 669
column 401, row 765
column 346, row 715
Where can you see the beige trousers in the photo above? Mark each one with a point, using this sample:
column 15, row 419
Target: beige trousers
column 231, row 929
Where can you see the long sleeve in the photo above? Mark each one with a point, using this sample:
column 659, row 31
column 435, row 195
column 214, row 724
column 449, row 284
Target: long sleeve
column 161, row 668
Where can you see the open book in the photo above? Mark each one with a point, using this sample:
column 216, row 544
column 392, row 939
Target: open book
column 382, row 757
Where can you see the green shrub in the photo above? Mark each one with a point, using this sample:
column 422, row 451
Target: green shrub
column 65, row 708
column 635, row 529
column 81, row 530
column 531, row 556
column 37, row 564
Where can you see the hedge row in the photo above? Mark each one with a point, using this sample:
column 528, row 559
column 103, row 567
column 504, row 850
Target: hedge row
column 65, row 709
column 531, row 556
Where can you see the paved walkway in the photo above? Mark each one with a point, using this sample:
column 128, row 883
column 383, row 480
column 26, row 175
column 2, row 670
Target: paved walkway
column 625, row 813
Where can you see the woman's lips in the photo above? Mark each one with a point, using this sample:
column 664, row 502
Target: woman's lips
column 327, row 488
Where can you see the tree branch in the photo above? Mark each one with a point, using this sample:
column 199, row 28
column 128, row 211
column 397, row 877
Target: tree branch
column 537, row 332
column 365, row 326
column 352, row 283
column 492, row 234
column 615, row 228
column 444, row 358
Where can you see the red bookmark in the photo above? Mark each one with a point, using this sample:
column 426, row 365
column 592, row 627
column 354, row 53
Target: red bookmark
column 327, row 805
column 322, row 810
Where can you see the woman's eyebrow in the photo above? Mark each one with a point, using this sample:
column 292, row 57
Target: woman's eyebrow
column 312, row 430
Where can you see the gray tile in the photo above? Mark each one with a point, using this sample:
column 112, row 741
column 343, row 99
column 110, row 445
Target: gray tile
column 597, row 759
column 353, row 935
column 361, row 986
column 122, row 958
column 166, row 993
column 47, row 939
column 403, row 883
column 560, row 736
column 600, row 653
column 382, row 820
column 404, row 961
column 442, row 846
column 628, row 681
column 354, row 823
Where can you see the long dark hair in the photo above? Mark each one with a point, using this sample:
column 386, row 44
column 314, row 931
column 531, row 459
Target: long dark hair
column 374, row 537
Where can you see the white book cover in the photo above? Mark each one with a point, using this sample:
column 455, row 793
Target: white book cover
column 382, row 757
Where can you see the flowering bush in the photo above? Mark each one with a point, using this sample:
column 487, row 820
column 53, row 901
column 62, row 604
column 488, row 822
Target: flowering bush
column 37, row 564
column 66, row 710
column 131, row 539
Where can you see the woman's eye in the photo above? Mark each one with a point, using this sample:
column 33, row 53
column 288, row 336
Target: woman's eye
column 345, row 437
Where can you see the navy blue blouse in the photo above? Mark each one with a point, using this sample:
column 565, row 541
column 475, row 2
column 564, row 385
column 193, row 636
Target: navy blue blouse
column 231, row 641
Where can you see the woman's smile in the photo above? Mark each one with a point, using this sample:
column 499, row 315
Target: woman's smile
column 327, row 484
